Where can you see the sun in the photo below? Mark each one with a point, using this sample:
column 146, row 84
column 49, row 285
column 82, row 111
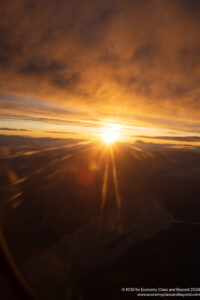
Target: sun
column 111, row 134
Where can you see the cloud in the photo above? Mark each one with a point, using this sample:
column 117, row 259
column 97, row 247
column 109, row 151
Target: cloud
column 62, row 132
column 172, row 138
column 138, row 56
column 13, row 129
column 145, row 146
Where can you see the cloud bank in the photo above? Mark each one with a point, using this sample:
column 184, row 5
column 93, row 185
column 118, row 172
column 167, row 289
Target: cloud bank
column 140, row 56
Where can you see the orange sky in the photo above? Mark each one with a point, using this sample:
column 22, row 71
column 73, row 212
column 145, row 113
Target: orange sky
column 68, row 68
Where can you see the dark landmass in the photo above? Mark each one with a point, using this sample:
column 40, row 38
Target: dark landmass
column 74, row 235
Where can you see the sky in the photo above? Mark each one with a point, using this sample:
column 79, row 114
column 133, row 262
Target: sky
column 71, row 68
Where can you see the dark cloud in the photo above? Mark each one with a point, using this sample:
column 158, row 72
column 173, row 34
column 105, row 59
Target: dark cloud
column 145, row 146
column 189, row 7
column 9, row 50
column 39, row 66
column 65, row 81
column 55, row 72
column 26, row 140
column 146, row 55
column 13, row 129
column 172, row 138
column 97, row 53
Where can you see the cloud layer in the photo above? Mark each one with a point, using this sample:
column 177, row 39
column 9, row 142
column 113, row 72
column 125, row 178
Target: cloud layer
column 141, row 56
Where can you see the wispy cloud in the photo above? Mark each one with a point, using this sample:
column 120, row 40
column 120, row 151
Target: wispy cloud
column 62, row 132
column 13, row 129
column 171, row 138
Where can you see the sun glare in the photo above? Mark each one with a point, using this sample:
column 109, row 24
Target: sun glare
column 111, row 134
